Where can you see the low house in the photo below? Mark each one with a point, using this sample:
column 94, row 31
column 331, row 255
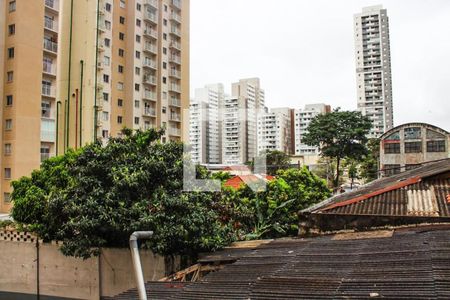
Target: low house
column 416, row 196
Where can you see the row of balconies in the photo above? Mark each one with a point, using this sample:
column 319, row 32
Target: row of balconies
column 50, row 46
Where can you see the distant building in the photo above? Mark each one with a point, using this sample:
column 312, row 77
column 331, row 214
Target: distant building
column 205, row 124
column 373, row 68
column 274, row 130
column 302, row 118
column 406, row 146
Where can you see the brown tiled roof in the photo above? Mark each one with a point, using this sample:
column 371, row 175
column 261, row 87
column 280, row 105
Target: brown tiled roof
column 407, row 264
column 239, row 180
column 421, row 192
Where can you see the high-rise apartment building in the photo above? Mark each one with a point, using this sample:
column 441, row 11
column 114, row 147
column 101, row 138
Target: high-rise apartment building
column 77, row 71
column 302, row 118
column 29, row 54
column 274, row 130
column 373, row 68
column 205, row 124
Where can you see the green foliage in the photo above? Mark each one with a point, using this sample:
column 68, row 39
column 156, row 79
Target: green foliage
column 369, row 163
column 222, row 176
column 277, row 160
column 339, row 135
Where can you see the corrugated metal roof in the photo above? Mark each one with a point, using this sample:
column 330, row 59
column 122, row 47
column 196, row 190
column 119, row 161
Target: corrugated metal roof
column 412, row 264
column 417, row 192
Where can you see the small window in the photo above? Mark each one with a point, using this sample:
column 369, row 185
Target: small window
column 137, row 71
column 138, row 54
column 164, row 50
column 105, row 134
column 122, row 3
column 106, row 60
column 107, row 43
column 108, row 25
column 165, row 36
column 119, row 102
column 413, row 147
column 106, row 78
column 165, row 22
column 390, row 170
column 119, row 119
column 164, row 109
column 9, row 76
column 121, row 36
column 391, row 148
column 138, row 22
column 136, row 87
column 105, row 97
column 105, row 116
column 138, row 38
column 164, row 80
column 412, row 133
column 12, row 6
column 121, row 52
column 122, row 20
column 164, row 65
column 165, row 7
column 8, row 124
column 136, row 120
column 138, row 6
column 120, row 69
column 9, row 100
column 8, row 149
column 7, row 173
column 136, row 103
column 108, row 7
column 6, row 197
column 12, row 29
column 436, row 146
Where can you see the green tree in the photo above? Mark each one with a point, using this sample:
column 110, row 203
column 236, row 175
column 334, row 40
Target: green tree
column 339, row 135
column 369, row 164
column 277, row 160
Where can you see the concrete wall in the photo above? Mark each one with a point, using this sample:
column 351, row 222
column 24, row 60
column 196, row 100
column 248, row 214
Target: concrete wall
column 59, row 277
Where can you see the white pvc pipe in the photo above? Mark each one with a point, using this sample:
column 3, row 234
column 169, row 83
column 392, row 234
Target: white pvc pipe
column 134, row 237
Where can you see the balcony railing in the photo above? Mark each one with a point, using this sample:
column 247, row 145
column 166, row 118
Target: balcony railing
column 174, row 131
column 174, row 30
column 152, row 17
column 176, row 45
column 150, row 48
column 50, row 46
column 175, row 73
column 175, row 101
column 175, row 17
column 48, row 91
column 49, row 68
column 45, row 156
column 148, row 111
column 175, row 59
column 149, row 63
column 150, row 32
column 149, row 95
column 48, row 130
column 53, row 4
column 152, row 3
column 176, row 3
column 175, row 117
column 150, row 79
column 175, row 87
column 50, row 24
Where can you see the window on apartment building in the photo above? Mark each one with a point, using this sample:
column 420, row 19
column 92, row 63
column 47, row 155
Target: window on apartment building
column 165, row 22
column 121, row 36
column 413, row 147
column 45, row 152
column 9, row 100
column 120, row 86
column 138, row 22
column 119, row 102
column 138, row 38
column 7, row 173
column 164, row 65
column 105, row 97
column 105, row 116
column 164, row 80
column 9, row 76
column 164, row 50
column 122, row 3
column 138, row 54
column 8, row 124
column 45, row 109
column 119, row 119
column 138, row 6
column 106, row 60
column 436, row 146
column 120, row 69
column 136, row 87
column 12, row 29
column 165, row 36
column 165, row 7
column 6, row 197
column 136, row 120
column 137, row 71
column 121, row 52
column 122, row 20
column 105, row 134
column 106, row 78
column 108, row 7
column 164, row 109
column 107, row 43
column 136, row 103
column 391, row 148
column 108, row 25
column 8, row 149
column 390, row 170
column 12, row 6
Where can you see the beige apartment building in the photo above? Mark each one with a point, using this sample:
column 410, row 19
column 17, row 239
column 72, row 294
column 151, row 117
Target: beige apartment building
column 77, row 71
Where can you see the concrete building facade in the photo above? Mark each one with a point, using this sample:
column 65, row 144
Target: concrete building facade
column 274, row 131
column 205, row 125
column 407, row 146
column 77, row 71
column 373, row 68
column 302, row 118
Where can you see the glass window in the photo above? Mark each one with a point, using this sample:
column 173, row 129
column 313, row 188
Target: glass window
column 12, row 29
column 413, row 147
column 119, row 119
column 8, row 124
column 136, row 120
column 436, row 146
column 391, row 148
column 119, row 102
column 6, row 197
column 11, row 52
column 105, row 116
column 12, row 6
column 390, row 170
column 433, row 135
column 136, row 103
column 9, row 76
column 122, row 3
column 45, row 152
column 412, row 133
column 9, row 100
column 7, row 173
column 8, row 149
column 45, row 109
column 105, row 97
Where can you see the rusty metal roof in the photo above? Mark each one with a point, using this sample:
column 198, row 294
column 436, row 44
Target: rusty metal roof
column 410, row 263
column 421, row 192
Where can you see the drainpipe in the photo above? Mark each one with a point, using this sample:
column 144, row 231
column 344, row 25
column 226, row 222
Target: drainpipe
column 58, row 104
column 134, row 237
column 68, row 81
column 76, row 118
column 81, row 101
column 96, row 75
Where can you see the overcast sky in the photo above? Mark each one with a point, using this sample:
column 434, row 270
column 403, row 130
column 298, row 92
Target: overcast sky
column 303, row 52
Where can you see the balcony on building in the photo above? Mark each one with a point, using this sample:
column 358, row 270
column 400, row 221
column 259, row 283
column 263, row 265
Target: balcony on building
column 149, row 47
column 50, row 46
column 149, row 63
column 151, row 3
column 175, row 73
column 149, row 79
column 150, row 33
column 174, row 131
column 176, row 4
column 50, row 24
column 101, row 24
column 175, row 101
column 175, row 88
column 175, row 31
column 175, row 17
column 52, row 5
column 151, row 17
column 176, row 59
column 176, row 117
column 175, row 45
column 48, row 91
column 149, row 111
column 49, row 68
column 149, row 95
column 48, row 130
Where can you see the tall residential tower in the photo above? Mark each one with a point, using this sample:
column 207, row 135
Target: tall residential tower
column 373, row 68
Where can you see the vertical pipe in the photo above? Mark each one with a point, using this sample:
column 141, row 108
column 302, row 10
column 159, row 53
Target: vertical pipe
column 95, row 80
column 58, row 104
column 81, row 101
column 76, row 118
column 134, row 248
column 68, row 80
column 38, row 293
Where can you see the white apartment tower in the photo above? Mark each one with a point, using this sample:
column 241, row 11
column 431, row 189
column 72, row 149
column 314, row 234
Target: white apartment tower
column 302, row 118
column 274, row 130
column 205, row 124
column 373, row 68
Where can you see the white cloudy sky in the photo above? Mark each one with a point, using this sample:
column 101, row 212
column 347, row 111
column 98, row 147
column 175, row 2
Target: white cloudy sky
column 303, row 52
